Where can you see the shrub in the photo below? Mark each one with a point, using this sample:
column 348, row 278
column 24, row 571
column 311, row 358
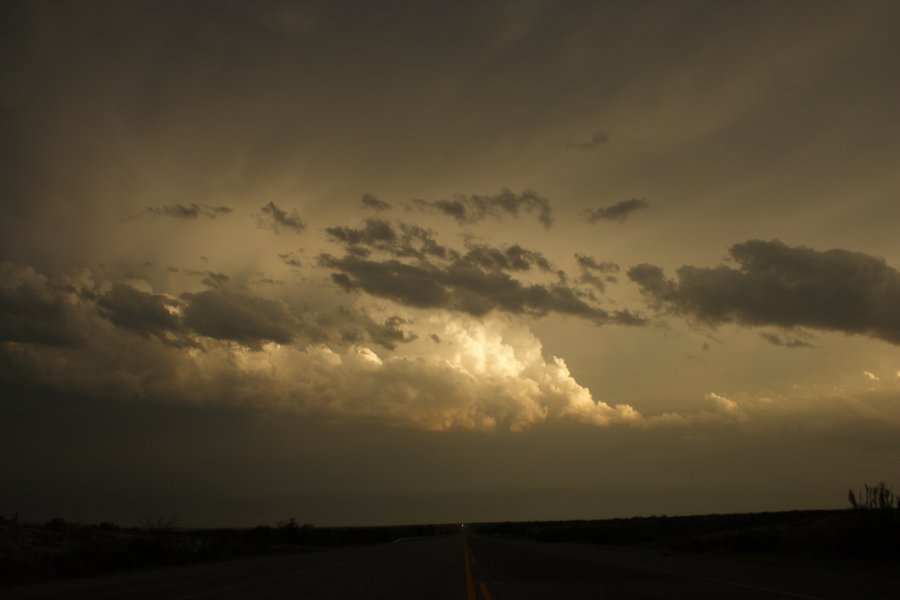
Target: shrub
column 875, row 497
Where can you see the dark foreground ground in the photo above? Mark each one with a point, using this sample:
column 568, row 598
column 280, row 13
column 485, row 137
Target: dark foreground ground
column 821, row 554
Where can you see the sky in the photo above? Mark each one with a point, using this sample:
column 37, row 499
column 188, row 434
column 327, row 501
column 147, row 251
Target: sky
column 395, row 262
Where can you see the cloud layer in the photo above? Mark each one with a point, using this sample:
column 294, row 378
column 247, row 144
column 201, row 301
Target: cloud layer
column 476, row 282
column 110, row 339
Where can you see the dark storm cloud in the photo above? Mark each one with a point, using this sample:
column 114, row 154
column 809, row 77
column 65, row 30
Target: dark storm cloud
column 462, row 287
column 475, row 282
column 248, row 320
column 591, row 270
column 474, row 208
column 598, row 138
column 370, row 201
column 185, row 213
column 378, row 234
column 775, row 284
column 277, row 219
column 33, row 311
column 619, row 211
column 143, row 313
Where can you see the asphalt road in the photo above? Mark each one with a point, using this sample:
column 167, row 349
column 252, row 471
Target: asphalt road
column 469, row 567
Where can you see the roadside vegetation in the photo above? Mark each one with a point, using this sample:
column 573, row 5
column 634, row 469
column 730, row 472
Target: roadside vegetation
column 60, row 548
column 876, row 497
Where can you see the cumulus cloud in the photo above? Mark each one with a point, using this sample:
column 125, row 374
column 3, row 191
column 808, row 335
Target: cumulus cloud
column 475, row 208
column 600, row 137
column 370, row 201
column 488, row 373
column 620, row 211
column 779, row 285
column 248, row 320
column 720, row 409
column 185, row 213
column 279, row 220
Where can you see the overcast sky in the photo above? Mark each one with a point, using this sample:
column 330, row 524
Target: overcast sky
column 379, row 262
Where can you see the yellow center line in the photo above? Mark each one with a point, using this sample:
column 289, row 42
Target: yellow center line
column 485, row 592
column 470, row 584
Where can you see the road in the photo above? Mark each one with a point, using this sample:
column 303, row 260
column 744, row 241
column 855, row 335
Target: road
column 468, row 567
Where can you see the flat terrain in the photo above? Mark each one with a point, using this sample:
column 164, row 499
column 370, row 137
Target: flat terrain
column 466, row 567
